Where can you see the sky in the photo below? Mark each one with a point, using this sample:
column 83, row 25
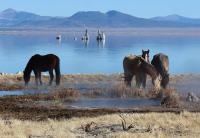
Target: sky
column 139, row 8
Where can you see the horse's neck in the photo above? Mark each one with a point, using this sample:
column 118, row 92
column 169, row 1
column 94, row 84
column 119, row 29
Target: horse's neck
column 28, row 68
column 150, row 70
column 145, row 58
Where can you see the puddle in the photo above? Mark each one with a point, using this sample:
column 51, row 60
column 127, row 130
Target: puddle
column 8, row 93
column 113, row 103
column 21, row 92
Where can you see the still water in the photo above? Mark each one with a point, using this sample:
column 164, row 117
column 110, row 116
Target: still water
column 78, row 57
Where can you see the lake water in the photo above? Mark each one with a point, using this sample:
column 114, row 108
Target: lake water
column 77, row 57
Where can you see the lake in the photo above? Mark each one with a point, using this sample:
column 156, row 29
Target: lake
column 78, row 57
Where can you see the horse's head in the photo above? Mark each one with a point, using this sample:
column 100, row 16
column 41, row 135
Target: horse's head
column 26, row 77
column 165, row 80
column 145, row 55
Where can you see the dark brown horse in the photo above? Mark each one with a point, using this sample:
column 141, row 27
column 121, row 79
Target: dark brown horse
column 38, row 64
column 161, row 63
column 134, row 65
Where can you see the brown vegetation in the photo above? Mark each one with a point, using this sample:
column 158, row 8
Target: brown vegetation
column 171, row 98
column 9, row 87
column 117, row 91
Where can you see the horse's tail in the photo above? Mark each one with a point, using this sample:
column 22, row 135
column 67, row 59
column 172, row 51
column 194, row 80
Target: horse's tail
column 57, row 71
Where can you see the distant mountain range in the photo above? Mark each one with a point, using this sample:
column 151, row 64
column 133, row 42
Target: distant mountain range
column 13, row 18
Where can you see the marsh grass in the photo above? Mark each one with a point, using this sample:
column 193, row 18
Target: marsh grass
column 9, row 87
column 64, row 93
column 114, row 92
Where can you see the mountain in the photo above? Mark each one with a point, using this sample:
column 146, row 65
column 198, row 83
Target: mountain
column 177, row 18
column 13, row 18
column 115, row 19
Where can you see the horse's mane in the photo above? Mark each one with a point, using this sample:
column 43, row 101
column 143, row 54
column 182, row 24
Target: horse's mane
column 28, row 67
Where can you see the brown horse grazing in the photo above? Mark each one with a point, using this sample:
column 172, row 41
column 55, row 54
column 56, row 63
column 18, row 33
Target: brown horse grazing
column 161, row 63
column 134, row 65
column 38, row 64
column 141, row 77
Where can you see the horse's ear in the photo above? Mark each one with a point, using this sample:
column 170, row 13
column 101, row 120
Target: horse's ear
column 148, row 50
column 142, row 51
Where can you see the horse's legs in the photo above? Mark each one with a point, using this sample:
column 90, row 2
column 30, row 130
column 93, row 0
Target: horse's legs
column 40, row 79
column 144, row 80
column 128, row 79
column 51, row 76
column 138, row 80
column 36, row 77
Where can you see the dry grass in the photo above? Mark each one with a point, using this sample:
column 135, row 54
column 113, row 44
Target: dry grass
column 64, row 93
column 9, row 87
column 162, row 125
column 116, row 91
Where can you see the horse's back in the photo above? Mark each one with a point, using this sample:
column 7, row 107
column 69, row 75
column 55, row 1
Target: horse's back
column 45, row 57
column 44, row 62
column 130, row 63
column 161, row 63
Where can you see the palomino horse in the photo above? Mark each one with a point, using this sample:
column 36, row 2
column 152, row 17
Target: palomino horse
column 134, row 65
column 141, row 77
column 161, row 63
column 38, row 64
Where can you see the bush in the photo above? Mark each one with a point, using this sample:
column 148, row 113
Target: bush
column 170, row 99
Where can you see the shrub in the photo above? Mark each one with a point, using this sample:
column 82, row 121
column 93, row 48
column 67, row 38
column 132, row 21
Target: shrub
column 170, row 99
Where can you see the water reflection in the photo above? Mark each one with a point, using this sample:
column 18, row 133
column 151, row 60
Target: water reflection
column 86, row 42
column 101, row 43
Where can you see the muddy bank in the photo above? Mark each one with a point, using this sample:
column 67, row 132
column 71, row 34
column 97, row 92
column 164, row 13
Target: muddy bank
column 26, row 107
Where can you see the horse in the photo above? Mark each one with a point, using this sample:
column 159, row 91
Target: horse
column 141, row 77
column 161, row 63
column 38, row 63
column 134, row 65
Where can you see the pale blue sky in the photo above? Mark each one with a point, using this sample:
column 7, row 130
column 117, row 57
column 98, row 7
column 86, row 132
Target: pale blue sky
column 140, row 8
